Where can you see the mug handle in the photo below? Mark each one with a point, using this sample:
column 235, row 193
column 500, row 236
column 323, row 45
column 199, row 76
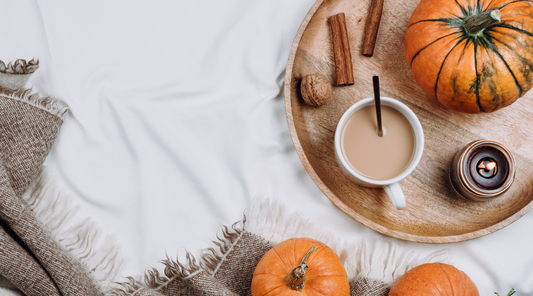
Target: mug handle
column 395, row 193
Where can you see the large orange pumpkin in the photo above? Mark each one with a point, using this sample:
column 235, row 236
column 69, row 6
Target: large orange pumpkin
column 434, row 279
column 300, row 266
column 472, row 55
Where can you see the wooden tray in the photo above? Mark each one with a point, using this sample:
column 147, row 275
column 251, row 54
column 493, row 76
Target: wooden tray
column 434, row 213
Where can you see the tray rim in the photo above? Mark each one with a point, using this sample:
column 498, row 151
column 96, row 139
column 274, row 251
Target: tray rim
column 333, row 198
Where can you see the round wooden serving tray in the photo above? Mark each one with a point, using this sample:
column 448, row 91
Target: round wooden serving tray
column 434, row 213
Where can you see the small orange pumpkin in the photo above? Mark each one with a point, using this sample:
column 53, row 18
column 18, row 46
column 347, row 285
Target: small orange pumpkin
column 300, row 266
column 434, row 279
column 472, row 56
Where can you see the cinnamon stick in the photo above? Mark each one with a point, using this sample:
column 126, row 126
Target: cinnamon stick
column 371, row 27
column 341, row 50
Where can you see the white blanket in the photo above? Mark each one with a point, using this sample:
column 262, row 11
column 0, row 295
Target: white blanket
column 177, row 123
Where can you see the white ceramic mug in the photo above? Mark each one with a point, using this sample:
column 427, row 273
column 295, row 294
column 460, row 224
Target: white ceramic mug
column 391, row 186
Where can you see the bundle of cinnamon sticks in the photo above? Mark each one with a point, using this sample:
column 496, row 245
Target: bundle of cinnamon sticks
column 341, row 44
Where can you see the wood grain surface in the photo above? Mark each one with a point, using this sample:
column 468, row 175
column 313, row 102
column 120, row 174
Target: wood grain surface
column 434, row 213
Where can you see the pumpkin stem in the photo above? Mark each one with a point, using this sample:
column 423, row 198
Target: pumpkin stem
column 508, row 294
column 475, row 24
column 296, row 278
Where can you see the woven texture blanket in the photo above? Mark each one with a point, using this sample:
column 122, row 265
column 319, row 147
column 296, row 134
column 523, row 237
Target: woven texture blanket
column 227, row 269
column 39, row 257
column 32, row 256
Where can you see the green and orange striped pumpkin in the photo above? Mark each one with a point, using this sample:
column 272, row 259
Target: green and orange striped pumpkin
column 472, row 55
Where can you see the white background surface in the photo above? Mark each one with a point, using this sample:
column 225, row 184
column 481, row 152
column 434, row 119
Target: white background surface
column 177, row 124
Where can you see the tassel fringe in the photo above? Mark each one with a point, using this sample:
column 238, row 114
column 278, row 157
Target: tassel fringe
column 209, row 262
column 56, row 212
column 44, row 103
column 382, row 260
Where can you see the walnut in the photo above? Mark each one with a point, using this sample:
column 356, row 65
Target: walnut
column 315, row 89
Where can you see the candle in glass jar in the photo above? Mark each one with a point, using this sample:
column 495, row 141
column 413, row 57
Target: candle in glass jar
column 488, row 167
column 482, row 170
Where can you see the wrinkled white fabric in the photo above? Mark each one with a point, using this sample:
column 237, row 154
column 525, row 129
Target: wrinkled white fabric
column 7, row 288
column 177, row 123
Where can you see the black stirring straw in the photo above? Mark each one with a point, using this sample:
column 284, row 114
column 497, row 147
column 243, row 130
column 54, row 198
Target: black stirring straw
column 377, row 99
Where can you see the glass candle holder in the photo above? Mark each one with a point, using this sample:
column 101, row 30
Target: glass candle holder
column 482, row 170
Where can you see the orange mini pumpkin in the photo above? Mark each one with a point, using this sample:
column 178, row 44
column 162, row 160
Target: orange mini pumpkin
column 300, row 266
column 472, row 55
column 434, row 279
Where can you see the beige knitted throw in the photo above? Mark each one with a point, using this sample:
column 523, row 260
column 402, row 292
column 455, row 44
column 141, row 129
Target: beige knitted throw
column 37, row 258
column 32, row 257
column 227, row 268
column 29, row 257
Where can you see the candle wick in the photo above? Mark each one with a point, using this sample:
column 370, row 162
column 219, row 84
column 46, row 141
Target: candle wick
column 487, row 168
